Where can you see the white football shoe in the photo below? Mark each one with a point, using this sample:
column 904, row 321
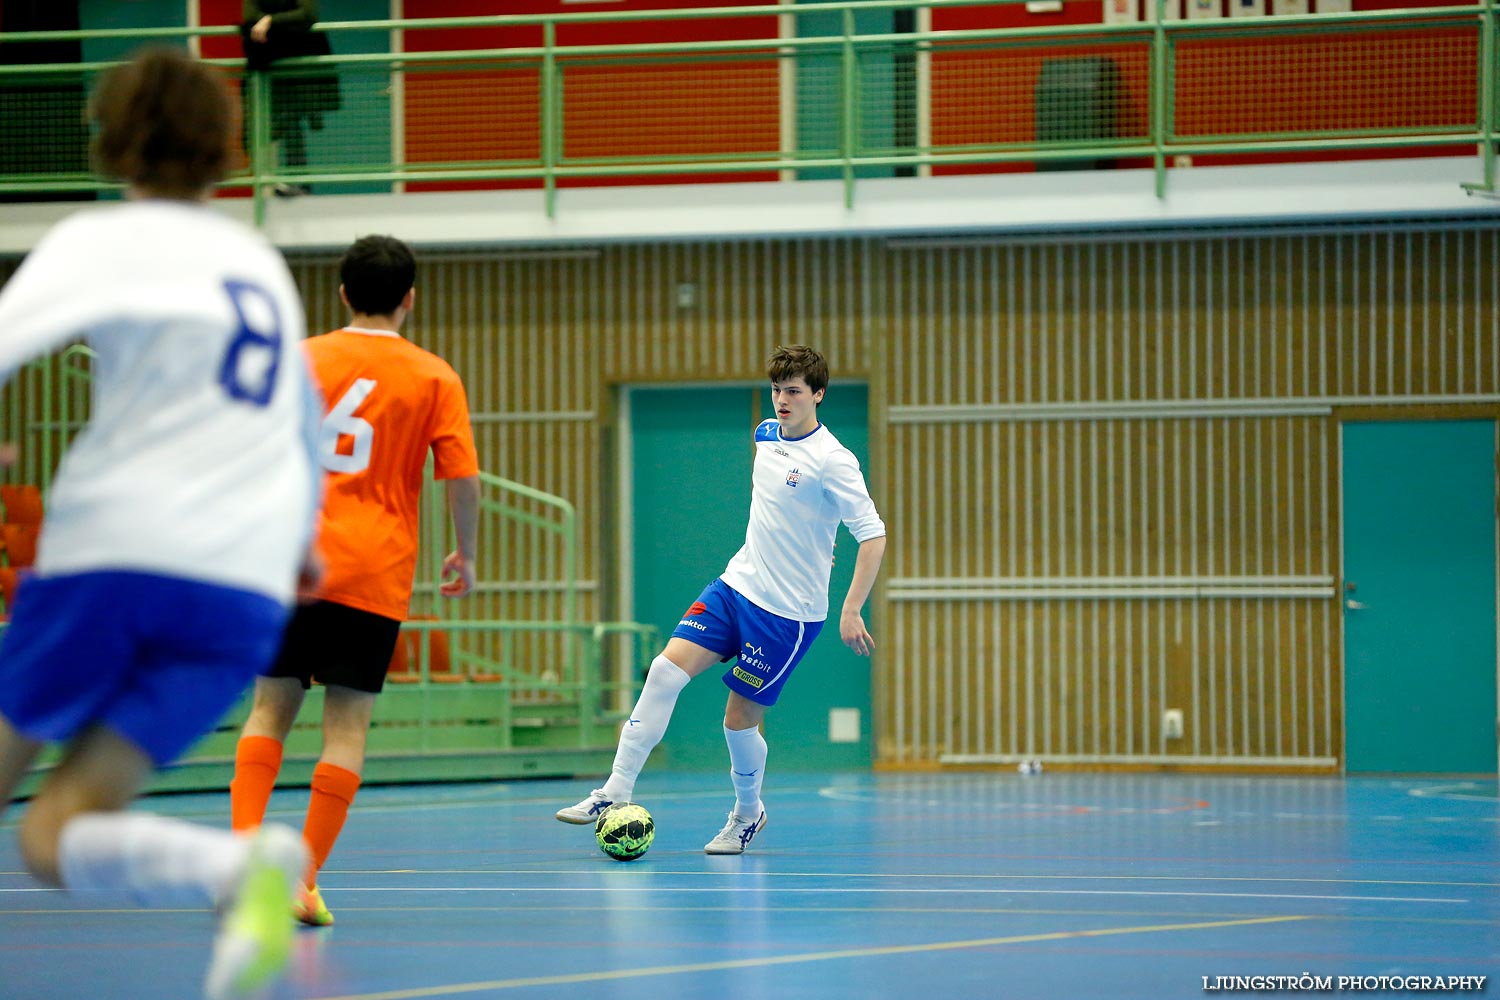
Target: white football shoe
column 736, row 835
column 588, row 810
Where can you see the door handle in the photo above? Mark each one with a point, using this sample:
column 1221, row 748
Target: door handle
column 1354, row 605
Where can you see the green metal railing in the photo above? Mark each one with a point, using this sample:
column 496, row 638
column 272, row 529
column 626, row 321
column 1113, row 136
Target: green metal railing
column 1170, row 69
column 46, row 404
column 520, row 696
column 546, row 560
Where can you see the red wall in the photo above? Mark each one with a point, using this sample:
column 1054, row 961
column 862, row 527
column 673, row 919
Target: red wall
column 980, row 96
column 687, row 109
column 212, row 13
column 1254, row 85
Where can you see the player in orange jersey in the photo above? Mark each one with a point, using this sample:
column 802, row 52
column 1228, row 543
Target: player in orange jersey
column 388, row 403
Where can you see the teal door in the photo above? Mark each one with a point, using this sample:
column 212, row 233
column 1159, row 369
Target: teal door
column 691, row 451
column 1419, row 600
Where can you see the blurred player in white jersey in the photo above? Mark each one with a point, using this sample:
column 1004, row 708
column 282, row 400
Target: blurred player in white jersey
column 177, row 524
column 769, row 603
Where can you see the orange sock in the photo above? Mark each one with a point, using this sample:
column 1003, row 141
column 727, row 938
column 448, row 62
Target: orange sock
column 257, row 761
column 333, row 789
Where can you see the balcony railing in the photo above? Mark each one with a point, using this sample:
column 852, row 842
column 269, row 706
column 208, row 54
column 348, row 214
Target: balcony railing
column 778, row 93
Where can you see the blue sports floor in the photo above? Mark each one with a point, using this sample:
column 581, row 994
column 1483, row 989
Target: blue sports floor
column 945, row 886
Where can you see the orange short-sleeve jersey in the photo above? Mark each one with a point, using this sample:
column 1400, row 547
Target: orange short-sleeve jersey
column 388, row 402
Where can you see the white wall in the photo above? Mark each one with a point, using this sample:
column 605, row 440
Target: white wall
column 1331, row 192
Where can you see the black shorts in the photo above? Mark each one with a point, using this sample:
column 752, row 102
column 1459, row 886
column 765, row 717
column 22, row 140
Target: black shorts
column 336, row 644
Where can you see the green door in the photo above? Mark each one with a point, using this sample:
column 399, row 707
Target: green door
column 1419, row 579
column 883, row 121
column 691, row 451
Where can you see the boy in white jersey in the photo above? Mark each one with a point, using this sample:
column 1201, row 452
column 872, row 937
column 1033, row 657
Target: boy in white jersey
column 769, row 603
column 177, row 523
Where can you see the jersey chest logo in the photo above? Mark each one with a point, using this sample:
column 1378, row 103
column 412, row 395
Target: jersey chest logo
column 793, row 477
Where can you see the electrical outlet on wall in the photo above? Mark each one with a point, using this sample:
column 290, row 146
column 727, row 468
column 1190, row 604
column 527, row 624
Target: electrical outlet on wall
column 843, row 725
column 1171, row 723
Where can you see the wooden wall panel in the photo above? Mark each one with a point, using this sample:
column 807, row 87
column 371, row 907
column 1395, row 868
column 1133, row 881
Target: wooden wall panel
column 1109, row 463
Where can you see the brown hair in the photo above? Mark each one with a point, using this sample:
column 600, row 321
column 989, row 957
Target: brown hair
column 795, row 361
column 165, row 122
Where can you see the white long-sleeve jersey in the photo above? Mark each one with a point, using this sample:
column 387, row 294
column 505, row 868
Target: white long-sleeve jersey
column 800, row 490
column 198, row 460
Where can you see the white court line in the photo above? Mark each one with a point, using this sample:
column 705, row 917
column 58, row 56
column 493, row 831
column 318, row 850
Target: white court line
column 919, row 798
column 1182, row 806
column 546, row 803
column 1454, row 792
column 643, row 873
column 916, row 876
column 905, row 892
column 453, row 989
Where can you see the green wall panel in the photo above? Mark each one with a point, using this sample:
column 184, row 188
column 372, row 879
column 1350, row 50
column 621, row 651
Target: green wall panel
column 94, row 15
column 883, row 77
column 1419, row 551
column 359, row 133
column 692, row 451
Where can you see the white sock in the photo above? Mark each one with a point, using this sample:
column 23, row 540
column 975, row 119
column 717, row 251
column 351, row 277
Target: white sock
column 645, row 727
column 747, row 769
column 158, row 861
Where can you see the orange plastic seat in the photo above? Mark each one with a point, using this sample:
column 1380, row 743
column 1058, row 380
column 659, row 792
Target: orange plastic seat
column 406, row 660
column 401, row 669
column 9, row 581
column 23, row 504
column 19, row 542
column 486, row 678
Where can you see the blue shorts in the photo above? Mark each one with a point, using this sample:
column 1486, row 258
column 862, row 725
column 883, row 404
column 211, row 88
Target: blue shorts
column 768, row 646
column 157, row 659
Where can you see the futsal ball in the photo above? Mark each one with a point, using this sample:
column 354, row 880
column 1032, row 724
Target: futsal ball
column 624, row 831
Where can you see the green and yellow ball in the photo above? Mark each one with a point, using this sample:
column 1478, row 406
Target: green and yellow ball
column 625, row 831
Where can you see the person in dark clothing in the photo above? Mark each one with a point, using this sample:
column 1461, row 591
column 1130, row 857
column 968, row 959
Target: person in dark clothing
column 272, row 30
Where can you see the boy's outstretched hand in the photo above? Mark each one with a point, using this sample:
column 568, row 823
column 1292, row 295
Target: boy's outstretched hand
column 852, row 630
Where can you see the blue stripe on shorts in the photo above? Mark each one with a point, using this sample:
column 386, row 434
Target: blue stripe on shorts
column 766, row 647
